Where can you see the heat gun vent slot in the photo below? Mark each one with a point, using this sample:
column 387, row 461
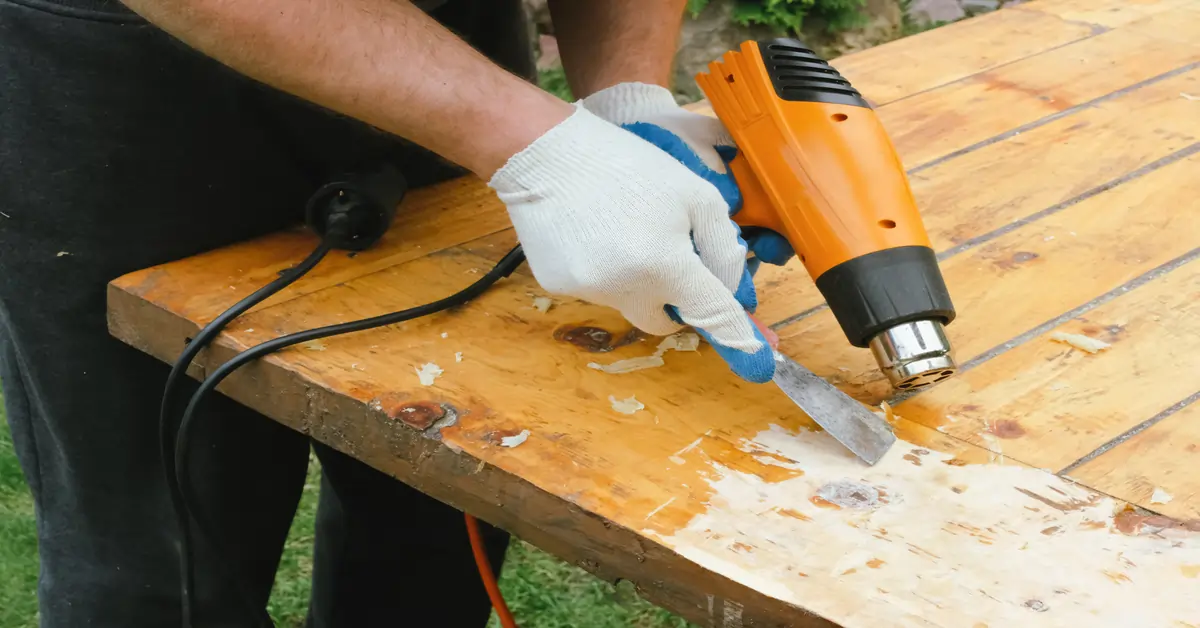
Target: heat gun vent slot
column 803, row 67
column 789, row 47
column 798, row 74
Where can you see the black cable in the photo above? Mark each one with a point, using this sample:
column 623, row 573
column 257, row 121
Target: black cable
column 182, row 457
column 167, row 433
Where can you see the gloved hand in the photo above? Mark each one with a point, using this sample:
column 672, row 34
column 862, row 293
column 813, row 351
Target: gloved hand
column 606, row 217
column 700, row 142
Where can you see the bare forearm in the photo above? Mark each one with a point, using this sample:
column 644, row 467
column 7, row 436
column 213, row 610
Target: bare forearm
column 382, row 61
column 605, row 42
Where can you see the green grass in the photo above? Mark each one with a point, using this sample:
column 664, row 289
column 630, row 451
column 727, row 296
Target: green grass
column 554, row 80
column 544, row 592
column 289, row 597
column 541, row 591
column 18, row 540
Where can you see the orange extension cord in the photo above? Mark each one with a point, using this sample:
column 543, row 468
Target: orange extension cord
column 485, row 573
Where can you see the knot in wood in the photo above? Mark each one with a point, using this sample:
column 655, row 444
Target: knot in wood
column 418, row 414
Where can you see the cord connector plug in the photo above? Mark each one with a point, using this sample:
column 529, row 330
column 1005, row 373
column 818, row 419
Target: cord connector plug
column 352, row 212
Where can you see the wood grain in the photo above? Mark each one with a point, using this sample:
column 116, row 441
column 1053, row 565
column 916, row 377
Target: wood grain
column 936, row 57
column 1031, row 275
column 1163, row 457
column 1014, row 179
column 988, row 104
column 1105, row 13
column 1048, row 404
column 708, row 453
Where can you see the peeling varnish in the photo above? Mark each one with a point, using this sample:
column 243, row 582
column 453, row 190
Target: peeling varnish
column 1079, row 341
column 428, row 373
column 514, row 441
column 678, row 342
column 629, row 365
column 1160, row 496
column 1050, row 554
column 992, row 444
column 629, row 405
column 889, row 414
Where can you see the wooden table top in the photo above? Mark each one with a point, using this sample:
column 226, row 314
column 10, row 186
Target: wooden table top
column 1053, row 148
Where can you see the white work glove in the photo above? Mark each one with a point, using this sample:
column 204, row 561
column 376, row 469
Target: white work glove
column 607, row 217
column 627, row 104
column 700, row 142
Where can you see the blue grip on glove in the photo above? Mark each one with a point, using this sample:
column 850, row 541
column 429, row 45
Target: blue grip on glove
column 757, row 367
column 767, row 245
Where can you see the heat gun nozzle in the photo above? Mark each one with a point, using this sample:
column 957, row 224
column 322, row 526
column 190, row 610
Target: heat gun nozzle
column 914, row 354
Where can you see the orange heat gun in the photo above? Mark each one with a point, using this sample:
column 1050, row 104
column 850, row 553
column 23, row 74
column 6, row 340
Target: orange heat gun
column 815, row 165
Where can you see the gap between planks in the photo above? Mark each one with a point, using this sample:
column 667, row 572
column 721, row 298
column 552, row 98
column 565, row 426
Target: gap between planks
column 1097, row 29
column 1021, row 339
column 1054, row 116
column 1034, row 217
column 1131, row 432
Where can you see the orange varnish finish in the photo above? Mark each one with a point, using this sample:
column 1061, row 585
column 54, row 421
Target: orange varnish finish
column 826, row 176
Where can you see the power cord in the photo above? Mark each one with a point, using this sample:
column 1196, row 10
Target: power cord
column 486, row 574
column 167, row 431
column 502, row 269
column 349, row 213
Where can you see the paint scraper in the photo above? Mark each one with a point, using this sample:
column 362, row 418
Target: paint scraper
column 850, row 422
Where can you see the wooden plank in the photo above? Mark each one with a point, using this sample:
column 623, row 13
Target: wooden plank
column 1164, row 458
column 921, row 62
column 991, row 546
column 1106, row 13
column 980, row 192
column 367, row 380
column 1033, row 274
column 1008, row 181
column 985, row 105
column 1048, row 404
column 715, row 496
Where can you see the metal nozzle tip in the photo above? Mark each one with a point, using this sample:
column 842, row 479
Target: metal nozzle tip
column 914, row 355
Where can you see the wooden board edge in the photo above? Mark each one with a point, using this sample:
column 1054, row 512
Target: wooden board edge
column 420, row 459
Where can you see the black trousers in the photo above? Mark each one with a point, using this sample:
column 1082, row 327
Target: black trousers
column 121, row 148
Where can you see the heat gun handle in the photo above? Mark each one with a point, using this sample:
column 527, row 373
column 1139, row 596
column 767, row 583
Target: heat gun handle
column 757, row 209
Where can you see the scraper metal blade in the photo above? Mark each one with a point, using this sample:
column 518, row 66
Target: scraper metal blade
column 850, row 422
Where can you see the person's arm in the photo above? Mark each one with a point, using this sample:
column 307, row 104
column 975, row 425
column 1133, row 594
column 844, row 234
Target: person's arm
column 381, row 61
column 606, row 42
column 601, row 214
